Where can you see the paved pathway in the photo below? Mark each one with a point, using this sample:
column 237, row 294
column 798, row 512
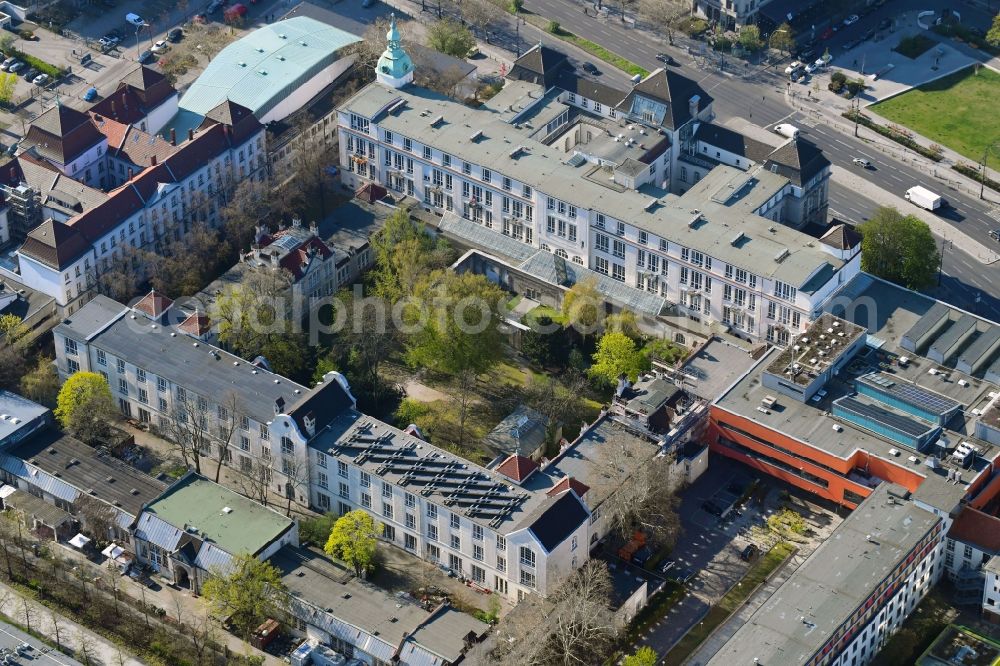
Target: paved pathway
column 71, row 634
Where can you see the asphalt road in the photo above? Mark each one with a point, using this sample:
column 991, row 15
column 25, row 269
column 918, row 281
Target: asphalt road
column 11, row 637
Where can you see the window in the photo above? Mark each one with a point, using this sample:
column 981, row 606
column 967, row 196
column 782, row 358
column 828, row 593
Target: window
column 427, row 152
column 321, row 480
column 407, row 145
column 121, row 371
column 432, row 532
column 505, row 184
column 619, row 249
column 411, row 521
column 386, row 490
column 366, row 480
column 446, row 159
column 388, row 137
column 342, row 468
column 784, row 291
column 102, row 358
column 345, row 490
column 455, row 521
column 602, row 242
column 455, row 562
column 388, row 532
column 501, row 563
column 466, row 168
column 527, row 557
column 478, row 574
column 477, row 532
column 387, row 510
column 573, row 544
column 601, row 265
column 411, row 500
column 456, row 542
column 477, row 552
column 618, row 272
column 527, row 579
column 409, row 542
column 501, row 543
column 123, row 386
column 264, row 434
column 967, row 551
column 143, row 396
column 432, row 511
column 487, row 176
column 366, row 500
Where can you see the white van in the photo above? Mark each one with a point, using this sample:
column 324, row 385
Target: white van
column 787, row 130
column 135, row 20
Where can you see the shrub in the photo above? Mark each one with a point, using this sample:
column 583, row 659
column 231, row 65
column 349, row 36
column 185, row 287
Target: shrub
column 915, row 46
column 854, row 86
column 839, row 77
column 553, row 27
column 897, row 134
column 692, row 27
column 975, row 173
column 835, row 86
column 26, row 35
column 410, row 411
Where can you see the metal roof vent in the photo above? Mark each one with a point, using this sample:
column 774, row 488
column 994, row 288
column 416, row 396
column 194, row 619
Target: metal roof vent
column 262, row 72
column 241, row 64
column 227, row 509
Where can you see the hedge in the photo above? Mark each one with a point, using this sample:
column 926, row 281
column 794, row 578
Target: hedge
column 590, row 47
column 893, row 134
column 32, row 61
column 976, row 174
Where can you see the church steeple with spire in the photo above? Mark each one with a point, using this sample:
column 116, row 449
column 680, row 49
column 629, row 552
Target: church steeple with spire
column 394, row 69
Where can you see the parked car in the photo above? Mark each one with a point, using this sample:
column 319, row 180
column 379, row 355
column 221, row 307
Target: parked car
column 995, row 234
column 851, row 20
column 16, row 67
column 5, row 65
column 591, row 68
column 749, row 553
column 238, row 10
column 90, row 95
column 812, row 67
column 160, row 46
column 792, row 67
column 667, row 59
column 41, row 79
column 826, row 34
column 145, row 56
column 30, row 73
column 135, row 20
column 807, row 54
column 109, row 41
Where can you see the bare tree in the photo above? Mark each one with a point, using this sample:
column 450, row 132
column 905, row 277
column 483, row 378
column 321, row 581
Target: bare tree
column 254, row 480
column 640, row 492
column 99, row 517
column 663, row 15
column 481, row 15
column 228, row 412
column 296, row 476
column 56, row 620
column 187, row 427
column 574, row 626
column 447, row 81
column 27, row 611
column 86, row 646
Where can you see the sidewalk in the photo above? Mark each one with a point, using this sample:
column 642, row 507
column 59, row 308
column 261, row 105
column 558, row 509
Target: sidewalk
column 71, row 634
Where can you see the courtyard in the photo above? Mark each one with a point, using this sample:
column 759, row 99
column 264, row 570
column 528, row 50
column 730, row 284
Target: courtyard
column 956, row 111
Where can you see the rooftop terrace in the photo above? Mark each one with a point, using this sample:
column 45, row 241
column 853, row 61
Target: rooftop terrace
column 816, row 350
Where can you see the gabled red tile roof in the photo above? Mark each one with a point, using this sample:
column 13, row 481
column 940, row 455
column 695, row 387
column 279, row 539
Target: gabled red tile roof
column 295, row 261
column 62, row 134
column 977, row 528
column 140, row 91
column 153, row 304
column 196, row 324
column 517, row 468
column 566, row 483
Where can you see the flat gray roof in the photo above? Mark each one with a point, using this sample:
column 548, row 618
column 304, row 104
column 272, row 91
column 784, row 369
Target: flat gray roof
column 708, row 373
column 198, row 366
column 16, row 413
column 484, row 136
column 809, row 607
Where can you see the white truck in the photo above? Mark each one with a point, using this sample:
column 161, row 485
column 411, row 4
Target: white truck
column 921, row 196
column 787, row 130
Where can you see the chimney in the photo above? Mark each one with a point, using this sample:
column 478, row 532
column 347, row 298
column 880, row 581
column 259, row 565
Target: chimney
column 190, row 133
column 296, row 223
column 173, row 137
column 314, row 228
column 13, row 174
column 152, row 160
column 130, row 173
column 693, row 105
column 274, row 259
column 113, row 111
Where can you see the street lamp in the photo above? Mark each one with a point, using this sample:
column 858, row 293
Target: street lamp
column 992, row 147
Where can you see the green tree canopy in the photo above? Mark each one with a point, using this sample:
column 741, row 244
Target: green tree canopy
column 644, row 656
column 13, row 330
column 404, row 254
column 583, row 306
column 899, row 248
column 42, row 383
column 354, row 539
column 451, row 37
column 783, row 38
column 248, row 591
column 750, row 38
column 85, row 406
column 993, row 35
column 616, row 355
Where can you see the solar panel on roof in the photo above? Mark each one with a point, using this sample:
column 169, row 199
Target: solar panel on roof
column 911, row 394
column 891, row 420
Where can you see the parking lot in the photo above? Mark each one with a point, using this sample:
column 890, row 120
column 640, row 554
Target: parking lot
column 25, row 649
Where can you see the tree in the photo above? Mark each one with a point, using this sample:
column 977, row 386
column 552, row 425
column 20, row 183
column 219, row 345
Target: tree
column 663, row 15
column 353, row 540
column 7, row 83
column 188, row 428
column 404, row 254
column 254, row 313
column 254, row 480
column 583, row 307
column 783, row 38
column 445, row 81
column 42, row 383
column 899, row 249
column 296, row 476
column 316, row 530
column 644, row 656
column 229, row 413
column 14, row 330
column 616, row 355
column 545, row 344
column 366, row 339
column 307, row 181
column 85, row 406
column 13, row 364
column 248, row 591
column 480, row 15
column 98, row 516
column 461, row 332
column 664, row 351
column 625, row 322
column 515, row 6
column 750, row 38
column 641, row 493
column 450, row 37
column 252, row 203
column 623, row 5
column 993, row 35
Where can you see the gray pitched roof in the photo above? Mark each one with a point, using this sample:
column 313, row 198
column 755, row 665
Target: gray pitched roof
column 54, row 244
column 539, row 64
column 559, row 520
column 672, row 89
column 797, row 160
column 733, row 142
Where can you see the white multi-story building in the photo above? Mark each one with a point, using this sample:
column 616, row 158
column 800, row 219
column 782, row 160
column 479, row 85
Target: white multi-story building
column 991, row 591
column 516, row 528
column 592, row 184
column 65, row 259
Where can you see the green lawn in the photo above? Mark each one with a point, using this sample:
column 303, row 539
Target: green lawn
column 956, row 111
column 761, row 569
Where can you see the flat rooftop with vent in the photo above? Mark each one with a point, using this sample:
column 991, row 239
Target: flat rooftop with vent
column 815, row 355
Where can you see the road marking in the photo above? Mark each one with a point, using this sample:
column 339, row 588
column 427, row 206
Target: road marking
column 842, row 143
